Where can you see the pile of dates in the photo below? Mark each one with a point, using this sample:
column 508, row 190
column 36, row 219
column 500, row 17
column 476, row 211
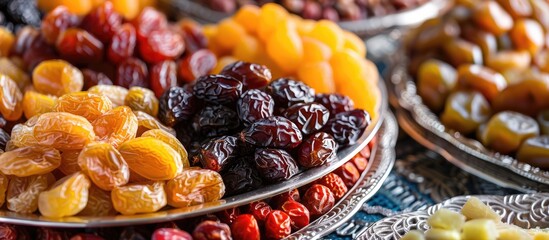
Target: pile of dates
column 253, row 130
column 336, row 10
column 484, row 68
column 273, row 218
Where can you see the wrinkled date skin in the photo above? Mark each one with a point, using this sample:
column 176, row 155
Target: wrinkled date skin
column 228, row 215
column 194, row 186
column 217, row 89
column 308, row 117
column 218, row 153
column 240, row 177
column 348, row 173
column 346, row 127
column 277, row 132
column 287, row 92
column 260, row 210
column 251, row 75
column 215, row 121
column 319, row 200
column 278, row 225
column 335, row 103
column 275, row 165
column 177, row 104
column 298, row 213
column 292, row 195
column 335, row 184
column 8, row 232
column 317, row 150
column 211, row 230
column 245, row 227
column 253, row 105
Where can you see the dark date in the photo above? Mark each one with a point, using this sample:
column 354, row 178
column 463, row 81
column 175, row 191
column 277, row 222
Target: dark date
column 308, row 117
column 275, row 165
column 254, row 105
column 218, row 89
column 240, row 177
column 217, row 153
column 287, row 92
column 316, row 150
column 335, row 103
column 346, row 127
column 277, row 132
column 177, row 105
column 251, row 75
column 215, row 121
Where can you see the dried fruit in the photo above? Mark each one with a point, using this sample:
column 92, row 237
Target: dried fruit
column 22, row 135
column 79, row 46
column 163, row 76
column 217, row 153
column 139, row 198
column 196, row 64
column 177, row 105
column 123, row 44
column 347, row 127
column 260, row 210
column 278, row 225
column 194, row 186
column 318, row 199
column 116, row 126
column 287, row 92
column 335, row 103
column 4, row 181
column 151, row 158
column 217, row 89
column 335, row 184
column 253, row 105
column 132, row 72
column 99, row 203
column 275, row 165
column 278, row 200
column 36, row 103
column 28, row 161
column 116, row 94
column 66, row 197
column 147, row 122
column 142, row 99
column 63, row 131
column 85, row 104
column 22, row 194
column 240, row 177
column 216, row 120
column 170, row 140
column 298, row 213
column 170, row 234
column 57, row 21
column 10, row 99
column 245, row 227
column 308, row 117
column 149, row 20
column 57, row 77
column 210, row 230
column 251, row 75
column 348, row 173
column 102, row 22
column 316, row 150
column 8, row 232
column 228, row 215
column 274, row 131
column 161, row 45
column 104, row 165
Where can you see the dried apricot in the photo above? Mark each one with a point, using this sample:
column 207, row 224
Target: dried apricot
column 31, row 160
column 99, row 203
column 85, row 104
column 69, row 162
column 285, row 47
column 170, row 140
column 229, row 33
column 63, row 131
column 11, row 99
column 329, row 33
column 346, row 65
column 128, row 8
column 57, row 77
column 116, row 126
column 35, row 103
column 354, row 43
column 104, row 165
column 317, row 75
column 270, row 16
column 142, row 99
column 139, row 198
column 147, row 122
column 66, row 197
column 314, row 50
column 151, row 158
column 22, row 195
column 247, row 17
column 116, row 94
column 194, row 186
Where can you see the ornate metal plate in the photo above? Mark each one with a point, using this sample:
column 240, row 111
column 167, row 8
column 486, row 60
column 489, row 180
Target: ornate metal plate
column 299, row 180
column 525, row 210
column 365, row 27
column 470, row 155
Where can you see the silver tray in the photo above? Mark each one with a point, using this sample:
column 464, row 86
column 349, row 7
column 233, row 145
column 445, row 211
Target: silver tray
column 468, row 154
column 525, row 210
column 264, row 192
column 365, row 27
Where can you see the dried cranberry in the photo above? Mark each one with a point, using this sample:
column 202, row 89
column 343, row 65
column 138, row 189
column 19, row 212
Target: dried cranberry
column 194, row 36
column 86, row 236
column 92, row 78
column 298, row 213
column 79, row 47
column 245, row 227
column 273, row 131
column 210, row 230
column 123, row 44
column 318, row 199
column 196, row 64
column 102, row 22
column 217, row 153
column 278, row 225
column 132, row 73
column 37, row 52
column 170, row 234
column 240, row 177
column 335, row 184
column 57, row 21
column 161, row 45
column 360, row 160
column 251, row 75
column 213, row 121
column 260, row 210
column 177, row 105
column 149, row 20
column 163, row 76
column 348, row 173
column 335, row 103
column 309, row 117
column 280, row 199
column 347, row 127
column 253, row 105
column 8, row 232
column 316, row 150
column 218, row 89
column 287, row 92
column 228, row 215
column 275, row 165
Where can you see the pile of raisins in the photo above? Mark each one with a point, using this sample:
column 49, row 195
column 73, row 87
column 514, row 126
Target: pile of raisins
column 253, row 130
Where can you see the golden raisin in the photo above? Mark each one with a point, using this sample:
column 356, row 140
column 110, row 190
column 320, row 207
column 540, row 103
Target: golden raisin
column 170, row 140
column 3, row 188
column 63, row 131
column 11, row 99
column 69, row 162
column 116, row 126
column 9, row 68
column 194, row 186
column 6, row 39
column 35, row 103
column 66, row 197
column 147, row 122
column 31, row 160
column 85, row 104
column 139, row 198
column 142, row 99
column 57, row 77
column 23, row 134
column 492, row 17
column 115, row 93
column 99, row 203
column 22, row 196
column 104, row 165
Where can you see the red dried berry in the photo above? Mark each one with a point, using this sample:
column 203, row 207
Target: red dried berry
column 8, row 232
column 102, row 22
column 335, row 184
column 228, row 215
column 161, row 45
column 210, row 230
column 163, row 76
column 86, row 236
column 278, row 225
column 24, row 39
column 149, row 20
column 278, row 200
column 92, row 78
column 79, row 46
column 194, row 36
column 196, row 64
column 123, row 43
column 298, row 213
column 348, row 173
column 318, row 199
column 361, row 159
column 57, row 21
column 245, row 227
column 132, row 72
column 260, row 210
column 170, row 234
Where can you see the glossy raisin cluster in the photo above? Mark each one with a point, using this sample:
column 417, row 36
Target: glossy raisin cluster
column 255, row 130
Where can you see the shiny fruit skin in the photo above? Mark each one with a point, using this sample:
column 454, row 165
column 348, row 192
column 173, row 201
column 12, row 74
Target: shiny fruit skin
column 318, row 199
column 262, row 133
column 122, row 45
column 22, row 193
column 275, row 165
column 11, row 99
column 194, row 186
column 139, row 198
column 170, row 234
column 142, row 99
column 308, row 117
column 217, row 153
column 211, row 230
column 316, row 150
column 104, row 165
column 57, row 21
column 348, row 173
column 63, row 131
column 335, row 184
column 253, row 105
column 196, row 64
column 217, row 89
column 79, row 46
column 161, row 45
column 102, row 22
column 28, row 161
column 245, row 227
column 347, row 127
column 177, row 105
column 240, row 177
column 66, row 197
column 163, row 76
column 252, row 76
column 298, row 213
column 170, row 140
column 287, row 92
column 260, row 210
column 116, row 126
column 85, row 104
column 57, row 77
column 277, row 225
column 132, row 72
